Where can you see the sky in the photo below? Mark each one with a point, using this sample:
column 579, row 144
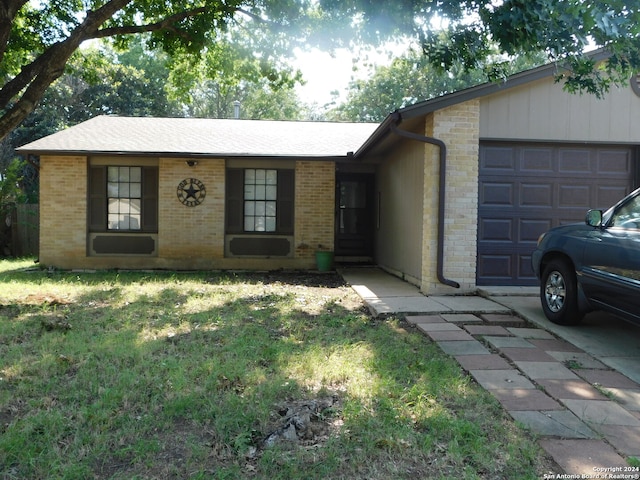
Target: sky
column 325, row 73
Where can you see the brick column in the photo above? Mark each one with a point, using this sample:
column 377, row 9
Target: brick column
column 458, row 128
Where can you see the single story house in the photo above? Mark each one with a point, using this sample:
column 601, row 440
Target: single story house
column 449, row 194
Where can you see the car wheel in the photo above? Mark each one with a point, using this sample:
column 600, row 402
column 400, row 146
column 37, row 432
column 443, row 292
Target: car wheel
column 559, row 293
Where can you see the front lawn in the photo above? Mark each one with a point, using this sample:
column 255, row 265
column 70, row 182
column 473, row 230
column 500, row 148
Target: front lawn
column 228, row 376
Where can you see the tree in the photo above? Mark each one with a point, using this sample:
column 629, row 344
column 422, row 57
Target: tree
column 37, row 38
column 410, row 79
column 564, row 30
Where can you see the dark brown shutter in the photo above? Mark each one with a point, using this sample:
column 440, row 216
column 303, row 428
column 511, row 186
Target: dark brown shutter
column 97, row 199
column 150, row 199
column 235, row 200
column 285, row 206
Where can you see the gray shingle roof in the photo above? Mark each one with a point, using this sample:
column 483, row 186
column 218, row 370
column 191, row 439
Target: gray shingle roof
column 195, row 136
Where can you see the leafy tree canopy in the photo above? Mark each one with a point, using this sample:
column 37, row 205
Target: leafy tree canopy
column 38, row 37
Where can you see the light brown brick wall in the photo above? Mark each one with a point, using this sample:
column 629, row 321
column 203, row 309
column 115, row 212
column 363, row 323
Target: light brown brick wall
column 191, row 237
column 188, row 237
column 63, row 210
column 315, row 205
column 458, row 127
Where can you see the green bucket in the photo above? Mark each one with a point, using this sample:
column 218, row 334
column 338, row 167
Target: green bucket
column 324, row 260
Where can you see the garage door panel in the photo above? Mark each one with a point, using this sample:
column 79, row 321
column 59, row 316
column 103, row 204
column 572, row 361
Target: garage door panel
column 574, row 195
column 613, row 162
column 529, row 229
column 536, row 195
column 608, row 195
column 498, row 159
column 572, row 161
column 537, row 160
column 497, row 230
column 529, row 188
column 494, row 193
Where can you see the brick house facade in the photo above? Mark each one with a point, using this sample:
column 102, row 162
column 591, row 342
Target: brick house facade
column 513, row 162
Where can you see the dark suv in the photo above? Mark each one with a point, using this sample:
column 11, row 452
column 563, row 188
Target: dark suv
column 592, row 266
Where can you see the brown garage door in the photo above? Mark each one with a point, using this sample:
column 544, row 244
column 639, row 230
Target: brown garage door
column 525, row 189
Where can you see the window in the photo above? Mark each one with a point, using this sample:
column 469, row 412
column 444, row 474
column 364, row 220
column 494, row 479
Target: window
column 260, row 195
column 259, row 201
column 124, row 197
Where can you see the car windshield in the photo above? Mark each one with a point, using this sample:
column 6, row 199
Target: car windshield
column 625, row 214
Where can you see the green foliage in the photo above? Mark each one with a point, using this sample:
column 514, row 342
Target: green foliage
column 410, row 79
column 10, row 191
column 186, row 375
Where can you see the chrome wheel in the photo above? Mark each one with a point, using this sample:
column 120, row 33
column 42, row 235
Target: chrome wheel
column 555, row 291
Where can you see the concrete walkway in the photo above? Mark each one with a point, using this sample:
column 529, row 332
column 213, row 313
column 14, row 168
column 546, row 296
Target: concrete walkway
column 576, row 388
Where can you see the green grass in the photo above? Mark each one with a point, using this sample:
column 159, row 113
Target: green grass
column 186, row 375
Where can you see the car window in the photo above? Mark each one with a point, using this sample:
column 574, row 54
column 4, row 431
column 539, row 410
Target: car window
column 628, row 215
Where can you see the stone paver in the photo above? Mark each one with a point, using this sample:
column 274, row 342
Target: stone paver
column 466, row 318
column 504, row 320
column 624, row 439
column 501, row 379
column 444, row 335
column 582, row 457
column 530, row 333
column 627, row 397
column 547, row 370
column 581, row 360
column 555, row 345
column 527, row 354
column 414, row 319
column 508, row 342
column 570, row 389
column 437, row 327
column 601, row 412
column 553, row 423
column 514, row 399
column 463, row 348
column 482, row 362
column 492, row 330
column 607, row 378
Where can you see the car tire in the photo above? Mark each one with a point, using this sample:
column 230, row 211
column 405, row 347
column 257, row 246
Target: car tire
column 559, row 293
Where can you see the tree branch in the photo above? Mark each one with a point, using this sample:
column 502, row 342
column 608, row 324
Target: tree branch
column 8, row 11
column 165, row 24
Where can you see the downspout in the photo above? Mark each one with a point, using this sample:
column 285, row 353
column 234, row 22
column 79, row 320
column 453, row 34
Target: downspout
column 441, row 194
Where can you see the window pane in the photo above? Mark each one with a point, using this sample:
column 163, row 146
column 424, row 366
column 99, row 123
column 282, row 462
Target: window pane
column 249, row 208
column 112, row 189
column 260, row 177
column 124, row 190
column 260, row 192
column 260, row 224
column 113, row 221
column 270, row 209
column 113, row 206
column 136, row 190
column 260, row 208
column 136, row 174
column 112, row 174
column 271, row 192
column 123, row 174
column 248, row 224
column 272, row 177
column 249, row 176
column 134, row 222
column 249, row 192
column 271, row 224
column 135, row 207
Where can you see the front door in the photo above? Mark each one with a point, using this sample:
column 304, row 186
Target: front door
column 354, row 215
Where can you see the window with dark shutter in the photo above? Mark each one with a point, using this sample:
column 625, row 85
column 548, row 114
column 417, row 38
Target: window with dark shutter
column 123, row 198
column 260, row 201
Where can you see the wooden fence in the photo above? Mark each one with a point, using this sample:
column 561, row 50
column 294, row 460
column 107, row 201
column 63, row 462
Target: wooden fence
column 26, row 230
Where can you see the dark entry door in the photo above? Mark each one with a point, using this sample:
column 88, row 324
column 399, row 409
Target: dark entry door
column 354, row 215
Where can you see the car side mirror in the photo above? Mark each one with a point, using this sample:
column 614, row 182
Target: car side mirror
column 594, row 218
